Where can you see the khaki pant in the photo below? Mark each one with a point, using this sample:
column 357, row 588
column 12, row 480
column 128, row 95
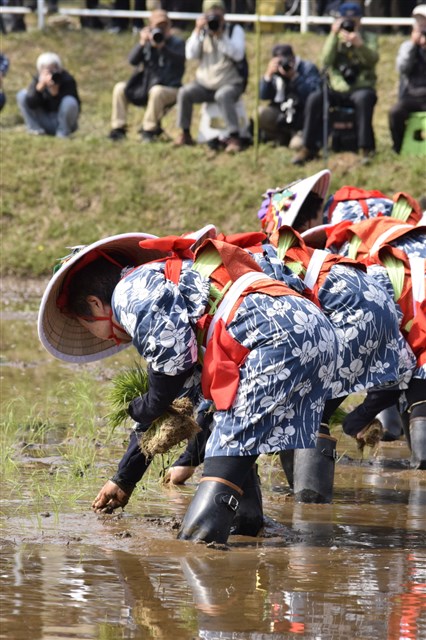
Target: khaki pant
column 159, row 100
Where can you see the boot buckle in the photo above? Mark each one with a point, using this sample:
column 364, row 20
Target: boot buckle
column 330, row 454
column 231, row 502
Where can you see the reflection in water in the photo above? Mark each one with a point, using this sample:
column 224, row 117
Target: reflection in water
column 260, row 592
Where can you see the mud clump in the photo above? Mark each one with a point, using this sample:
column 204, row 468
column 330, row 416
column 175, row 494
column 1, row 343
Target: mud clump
column 177, row 425
column 370, row 436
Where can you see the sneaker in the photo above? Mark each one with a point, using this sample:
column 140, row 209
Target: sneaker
column 296, row 142
column 117, row 134
column 304, row 155
column 184, row 139
column 366, row 156
column 233, row 145
column 148, row 136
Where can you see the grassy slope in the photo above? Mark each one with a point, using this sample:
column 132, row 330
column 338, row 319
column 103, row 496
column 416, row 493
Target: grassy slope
column 57, row 193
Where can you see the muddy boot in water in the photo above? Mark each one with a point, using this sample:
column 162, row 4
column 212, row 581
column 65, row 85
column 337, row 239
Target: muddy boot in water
column 212, row 511
column 287, row 463
column 249, row 517
column 391, row 422
column 418, row 442
column 314, row 471
column 405, row 419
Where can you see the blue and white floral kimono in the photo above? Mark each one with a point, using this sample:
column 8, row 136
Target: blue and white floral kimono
column 372, row 351
column 285, row 379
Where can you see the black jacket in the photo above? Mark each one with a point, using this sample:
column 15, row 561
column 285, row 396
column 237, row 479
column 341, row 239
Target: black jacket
column 167, row 65
column 45, row 100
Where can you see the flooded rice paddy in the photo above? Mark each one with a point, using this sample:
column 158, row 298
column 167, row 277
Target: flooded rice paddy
column 351, row 570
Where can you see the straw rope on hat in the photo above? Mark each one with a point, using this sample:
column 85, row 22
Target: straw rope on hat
column 60, row 333
column 281, row 206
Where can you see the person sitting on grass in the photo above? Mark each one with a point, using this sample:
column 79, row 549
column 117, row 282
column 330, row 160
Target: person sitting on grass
column 51, row 104
column 254, row 332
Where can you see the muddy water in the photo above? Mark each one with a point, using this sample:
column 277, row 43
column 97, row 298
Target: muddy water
column 355, row 569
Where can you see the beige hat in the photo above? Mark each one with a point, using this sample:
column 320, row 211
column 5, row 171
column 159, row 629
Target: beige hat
column 208, row 5
column 61, row 334
column 419, row 11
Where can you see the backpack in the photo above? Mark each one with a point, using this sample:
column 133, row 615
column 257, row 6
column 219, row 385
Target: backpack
column 242, row 65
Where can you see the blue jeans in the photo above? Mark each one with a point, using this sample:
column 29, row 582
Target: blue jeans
column 59, row 123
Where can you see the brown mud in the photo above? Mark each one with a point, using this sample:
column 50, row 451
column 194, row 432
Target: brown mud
column 353, row 569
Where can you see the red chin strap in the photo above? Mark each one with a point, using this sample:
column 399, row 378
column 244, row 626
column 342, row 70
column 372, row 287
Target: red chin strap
column 112, row 325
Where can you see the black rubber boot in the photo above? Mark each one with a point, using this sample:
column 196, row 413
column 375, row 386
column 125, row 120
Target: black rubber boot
column 314, row 471
column 287, row 463
column 249, row 517
column 391, row 421
column 418, row 442
column 211, row 512
column 405, row 418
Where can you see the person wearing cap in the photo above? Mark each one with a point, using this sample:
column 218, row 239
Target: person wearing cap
column 267, row 356
column 218, row 48
column 349, row 56
column 287, row 82
column 51, row 104
column 411, row 65
column 162, row 55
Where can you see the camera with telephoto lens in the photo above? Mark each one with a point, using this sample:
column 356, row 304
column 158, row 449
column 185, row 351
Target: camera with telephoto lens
column 213, row 22
column 349, row 72
column 56, row 77
column 286, row 63
column 157, row 35
column 348, row 25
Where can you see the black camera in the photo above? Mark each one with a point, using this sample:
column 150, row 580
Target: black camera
column 286, row 63
column 348, row 25
column 349, row 72
column 56, row 77
column 213, row 22
column 157, row 35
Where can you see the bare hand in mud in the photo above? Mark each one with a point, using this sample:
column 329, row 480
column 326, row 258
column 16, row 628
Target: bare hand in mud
column 178, row 475
column 110, row 497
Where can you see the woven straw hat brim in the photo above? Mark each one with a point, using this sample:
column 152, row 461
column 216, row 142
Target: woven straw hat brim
column 318, row 183
column 64, row 337
column 316, row 237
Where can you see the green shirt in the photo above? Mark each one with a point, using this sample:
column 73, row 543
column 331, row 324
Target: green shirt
column 336, row 55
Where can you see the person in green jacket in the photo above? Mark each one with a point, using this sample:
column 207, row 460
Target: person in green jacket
column 349, row 58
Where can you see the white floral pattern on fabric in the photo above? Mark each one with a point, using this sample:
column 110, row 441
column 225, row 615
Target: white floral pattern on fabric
column 280, row 401
column 353, row 211
column 159, row 317
column 406, row 356
column 284, row 380
column 365, row 319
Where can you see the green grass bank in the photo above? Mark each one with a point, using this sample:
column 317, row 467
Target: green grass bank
column 57, row 193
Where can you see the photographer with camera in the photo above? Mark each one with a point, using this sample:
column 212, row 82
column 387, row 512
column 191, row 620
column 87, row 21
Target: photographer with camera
column 287, row 82
column 163, row 58
column 349, row 57
column 51, row 104
column 411, row 65
column 219, row 48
